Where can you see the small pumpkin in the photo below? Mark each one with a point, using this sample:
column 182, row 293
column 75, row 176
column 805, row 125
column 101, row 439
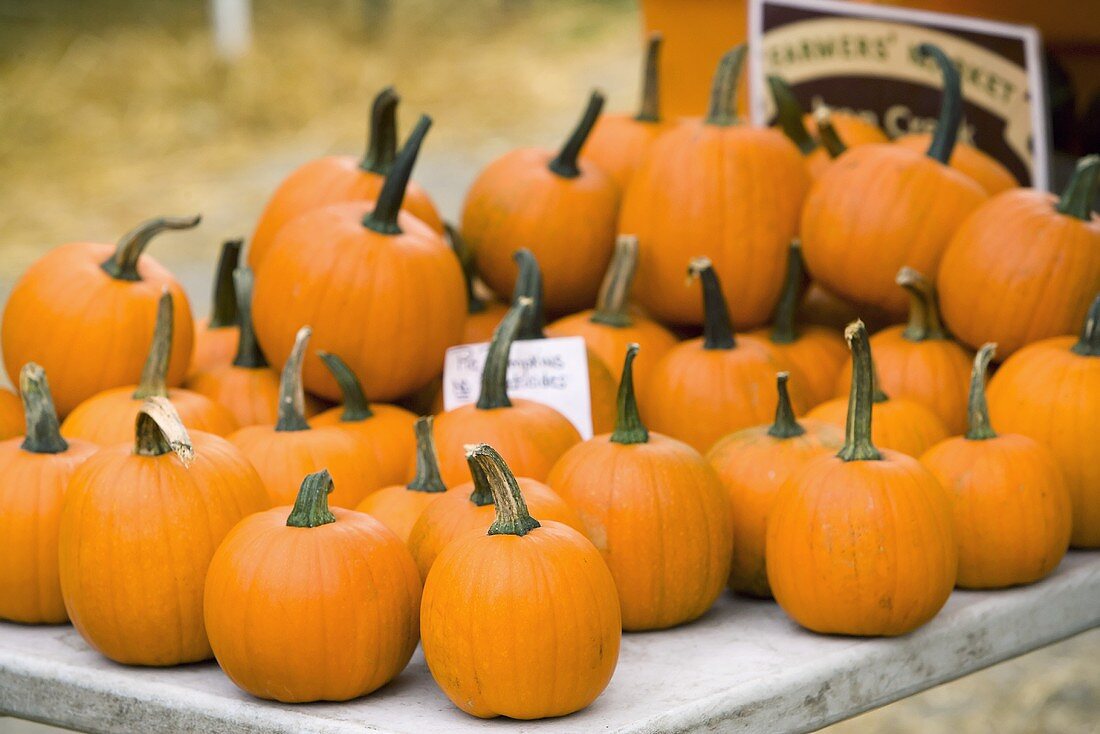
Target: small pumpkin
column 657, row 513
column 85, row 312
column 990, row 173
column 139, row 525
column 215, row 340
column 1025, row 265
column 861, row 543
column 108, row 418
column 523, row 620
column 752, row 464
column 36, row 469
column 11, row 414
column 1012, row 508
column 482, row 314
column 289, row 575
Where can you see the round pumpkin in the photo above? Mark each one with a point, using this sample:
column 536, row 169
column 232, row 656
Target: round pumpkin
column 990, row 173
column 215, row 340
column 11, row 414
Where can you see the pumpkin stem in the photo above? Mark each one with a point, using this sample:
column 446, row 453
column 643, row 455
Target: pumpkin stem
column 783, row 329
column 382, row 137
column 857, row 430
column 565, row 162
column 249, row 353
column 159, row 429
column 292, row 398
column 529, row 285
column 978, row 427
column 494, row 374
column 474, row 303
column 311, row 505
column 356, row 405
column 827, row 134
column 650, row 109
column 924, row 311
column 223, row 312
column 1080, row 192
column 723, row 90
column 628, row 426
column 490, row 471
column 788, row 113
column 43, row 433
column 154, row 375
column 122, row 265
column 786, row 424
column 428, row 478
column 717, row 328
column 1089, row 343
column 947, row 126
column 611, row 303
column 383, row 218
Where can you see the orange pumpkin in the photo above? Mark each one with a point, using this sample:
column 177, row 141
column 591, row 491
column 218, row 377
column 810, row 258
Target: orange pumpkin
column 85, row 312
column 1024, row 266
column 349, row 270
column 752, row 464
column 990, row 173
column 655, row 510
column 11, row 414
column 36, row 469
column 272, row 593
column 879, row 207
column 482, row 314
column 1012, row 508
column 562, row 206
column 718, row 188
column 522, row 621
column 108, row 418
column 340, row 179
column 861, row 543
column 139, row 525
column 1049, row 391
column 215, row 340
column 290, row 449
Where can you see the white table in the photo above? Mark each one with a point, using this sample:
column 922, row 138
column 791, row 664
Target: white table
column 744, row 667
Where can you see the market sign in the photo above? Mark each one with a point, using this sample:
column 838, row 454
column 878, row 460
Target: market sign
column 863, row 59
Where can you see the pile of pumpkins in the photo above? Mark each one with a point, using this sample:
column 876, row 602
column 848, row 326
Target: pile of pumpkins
column 182, row 490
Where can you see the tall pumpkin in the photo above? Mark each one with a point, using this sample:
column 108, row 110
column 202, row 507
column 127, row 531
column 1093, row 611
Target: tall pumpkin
column 215, row 340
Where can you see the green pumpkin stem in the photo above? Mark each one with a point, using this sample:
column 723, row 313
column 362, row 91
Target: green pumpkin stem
column 122, row 265
column 311, row 505
column 428, row 478
column 857, row 431
column 629, row 428
column 223, row 311
column 474, row 303
column 356, row 405
column 611, row 303
column 827, row 134
column 788, row 113
column 565, row 162
column 249, row 353
column 382, row 136
column 1089, row 343
column 43, row 433
column 529, row 285
column 491, row 474
column 722, row 110
column 1076, row 200
column 783, row 326
column 159, row 430
column 494, row 374
column 383, row 218
column 978, row 426
column 924, row 311
column 717, row 327
column 292, row 397
column 154, row 375
column 786, row 425
column 650, row 109
column 947, row 126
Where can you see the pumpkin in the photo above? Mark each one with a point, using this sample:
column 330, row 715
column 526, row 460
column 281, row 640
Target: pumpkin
column 562, row 206
column 861, row 543
column 35, row 468
column 290, row 449
column 752, row 464
column 1024, row 266
column 139, row 525
column 657, row 513
column 531, row 436
column 85, row 312
column 986, row 170
column 707, row 387
column 108, row 418
column 814, row 354
column 1012, row 508
column 283, row 578
column 1049, row 391
column 523, row 620
column 919, row 360
column 215, row 340
column 879, row 207
column 400, row 506
column 610, row 328
column 340, row 179
column 719, row 188
column 11, row 414
column 360, row 274
column 482, row 314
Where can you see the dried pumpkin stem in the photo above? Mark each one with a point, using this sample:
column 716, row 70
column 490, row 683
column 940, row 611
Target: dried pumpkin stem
column 154, row 375
column 43, row 433
column 249, row 353
column 717, row 327
column 489, row 470
column 383, row 218
column 650, row 109
column 122, row 265
column 947, row 126
column 629, row 428
column 786, row 424
column 857, row 431
column 428, row 478
column 382, row 135
column 311, row 505
column 356, row 405
column 565, row 162
column 979, row 428
column 494, row 374
column 159, row 430
column 223, row 311
column 783, row 328
column 611, row 303
column 1089, row 343
column 788, row 113
column 529, row 285
column 292, row 397
column 1076, row 200
column 723, row 91
column 924, row 311
column 827, row 134
column 474, row 303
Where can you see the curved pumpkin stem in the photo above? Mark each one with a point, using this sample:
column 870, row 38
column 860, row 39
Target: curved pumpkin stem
column 565, row 162
column 1076, row 200
column 356, row 405
column 788, row 113
column 783, row 328
column 1089, row 343
column 494, row 375
column 383, row 218
column 292, row 398
column 979, row 428
column 650, row 109
column 947, row 126
column 529, row 285
column 489, row 470
column 474, row 303
column 857, row 430
column 717, row 327
column 786, row 424
column 249, row 354
column 154, row 375
column 428, row 478
column 629, row 428
column 827, row 134
column 382, row 137
column 611, row 303
column 311, row 505
column 122, row 265
column 722, row 110
column 159, row 429
column 223, row 312
column 924, row 311
column 43, row 432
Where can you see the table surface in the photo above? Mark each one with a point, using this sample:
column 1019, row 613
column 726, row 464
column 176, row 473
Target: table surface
column 744, row 667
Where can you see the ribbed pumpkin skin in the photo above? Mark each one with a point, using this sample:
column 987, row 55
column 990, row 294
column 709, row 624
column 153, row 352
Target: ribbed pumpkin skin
column 1017, row 272
column 732, row 194
column 987, row 171
column 852, row 130
column 108, row 418
column 212, row 348
column 398, row 508
column 1012, row 508
column 602, row 387
column 11, row 414
column 327, row 613
column 544, row 645
column 618, row 144
column 899, row 424
column 863, row 547
column 659, row 518
column 388, row 435
column 137, row 536
column 859, row 224
column 1050, row 394
column 814, row 358
column 752, row 466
